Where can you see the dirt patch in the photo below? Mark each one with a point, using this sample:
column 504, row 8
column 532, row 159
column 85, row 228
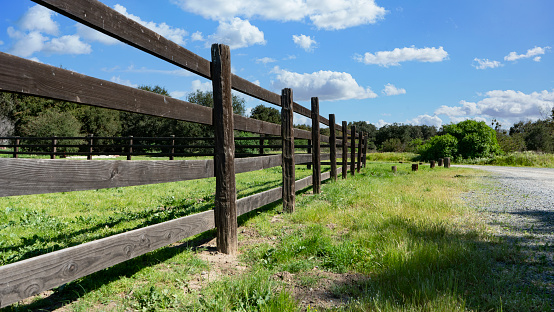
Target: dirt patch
column 320, row 289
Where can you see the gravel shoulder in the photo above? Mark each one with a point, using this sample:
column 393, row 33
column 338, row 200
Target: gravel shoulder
column 518, row 204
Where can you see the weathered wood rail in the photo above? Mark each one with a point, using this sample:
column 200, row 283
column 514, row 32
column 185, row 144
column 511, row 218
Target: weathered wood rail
column 36, row 176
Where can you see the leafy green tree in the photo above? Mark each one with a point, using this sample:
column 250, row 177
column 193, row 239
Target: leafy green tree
column 475, row 138
column 439, row 147
column 265, row 113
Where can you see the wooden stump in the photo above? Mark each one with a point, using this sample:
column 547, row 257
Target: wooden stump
column 415, row 167
column 440, row 162
column 394, row 169
column 447, row 162
column 432, row 163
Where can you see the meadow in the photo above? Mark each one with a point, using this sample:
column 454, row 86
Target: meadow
column 404, row 242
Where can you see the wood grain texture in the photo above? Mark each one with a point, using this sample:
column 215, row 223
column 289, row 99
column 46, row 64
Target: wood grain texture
column 360, row 150
column 225, row 206
column 29, row 277
column 22, row 76
column 287, row 133
column 316, row 149
column 333, row 147
column 257, row 163
column 114, row 24
column 256, row 126
column 303, row 183
column 353, row 151
column 300, row 159
column 40, row 176
column 256, row 201
column 344, row 150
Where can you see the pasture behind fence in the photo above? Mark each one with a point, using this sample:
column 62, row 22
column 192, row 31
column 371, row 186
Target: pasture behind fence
column 37, row 176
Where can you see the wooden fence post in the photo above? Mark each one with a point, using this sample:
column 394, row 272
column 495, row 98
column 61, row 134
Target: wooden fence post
column 352, row 150
column 171, row 157
column 394, row 169
column 16, row 147
column 225, row 207
column 364, row 158
column 333, row 148
column 287, row 133
column 440, row 162
column 90, row 141
column 344, row 149
column 316, row 149
column 446, row 162
column 130, row 148
column 432, row 164
column 54, row 142
column 360, row 149
column 415, row 167
column 261, row 150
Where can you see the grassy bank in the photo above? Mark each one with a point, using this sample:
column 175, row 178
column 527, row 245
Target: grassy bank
column 516, row 159
column 374, row 242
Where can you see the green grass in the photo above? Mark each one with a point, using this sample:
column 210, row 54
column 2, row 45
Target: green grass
column 516, row 159
column 408, row 236
column 392, row 157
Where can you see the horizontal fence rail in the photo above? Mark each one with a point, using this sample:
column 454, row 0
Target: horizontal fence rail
column 29, row 277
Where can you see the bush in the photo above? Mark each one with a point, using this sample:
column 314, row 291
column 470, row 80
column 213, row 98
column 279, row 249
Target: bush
column 439, row 147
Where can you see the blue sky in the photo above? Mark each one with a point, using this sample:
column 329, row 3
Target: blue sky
column 418, row 62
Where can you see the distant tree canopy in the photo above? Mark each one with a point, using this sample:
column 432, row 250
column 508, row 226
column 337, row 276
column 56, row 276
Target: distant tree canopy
column 33, row 116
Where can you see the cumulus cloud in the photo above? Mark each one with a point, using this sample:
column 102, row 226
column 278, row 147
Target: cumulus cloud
column 197, row 36
column 486, row 63
column 328, row 14
column 238, row 33
column 202, row 86
column 90, row 34
column 35, row 28
column 513, row 56
column 265, row 60
column 396, row 56
column 39, row 18
column 509, row 105
column 391, row 89
column 176, row 35
column 381, row 123
column 177, row 94
column 326, row 85
column 426, row 120
column 125, row 82
column 70, row 44
column 305, row 42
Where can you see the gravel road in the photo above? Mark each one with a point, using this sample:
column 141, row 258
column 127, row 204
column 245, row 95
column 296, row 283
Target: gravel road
column 519, row 206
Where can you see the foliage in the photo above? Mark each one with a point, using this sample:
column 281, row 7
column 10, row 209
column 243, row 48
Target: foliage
column 265, row 113
column 405, row 133
column 475, row 138
column 439, row 147
column 515, row 159
column 392, row 145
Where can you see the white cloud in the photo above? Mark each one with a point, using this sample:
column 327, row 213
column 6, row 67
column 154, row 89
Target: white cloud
column 327, row 14
column 202, row 86
column 390, row 89
column 394, row 57
column 509, row 105
column 513, row 56
column 70, row 44
column 426, row 120
column 176, row 35
column 486, row 63
column 197, row 36
column 117, row 79
column 301, row 120
column 305, row 42
column 1, row 42
column 90, row 34
column 381, row 123
column 26, row 44
column 39, row 18
column 237, row 33
column 265, row 60
column 326, row 85
column 177, row 94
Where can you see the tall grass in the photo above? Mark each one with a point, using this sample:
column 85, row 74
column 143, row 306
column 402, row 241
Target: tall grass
column 392, row 157
column 516, row 159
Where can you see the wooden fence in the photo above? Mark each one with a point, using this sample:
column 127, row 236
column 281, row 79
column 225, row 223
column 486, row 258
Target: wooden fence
column 130, row 146
column 36, row 176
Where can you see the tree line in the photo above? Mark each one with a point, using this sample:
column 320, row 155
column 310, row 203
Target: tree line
column 29, row 116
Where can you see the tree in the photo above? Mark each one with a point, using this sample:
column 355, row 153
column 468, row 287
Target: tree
column 475, row 138
column 265, row 113
column 439, row 147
